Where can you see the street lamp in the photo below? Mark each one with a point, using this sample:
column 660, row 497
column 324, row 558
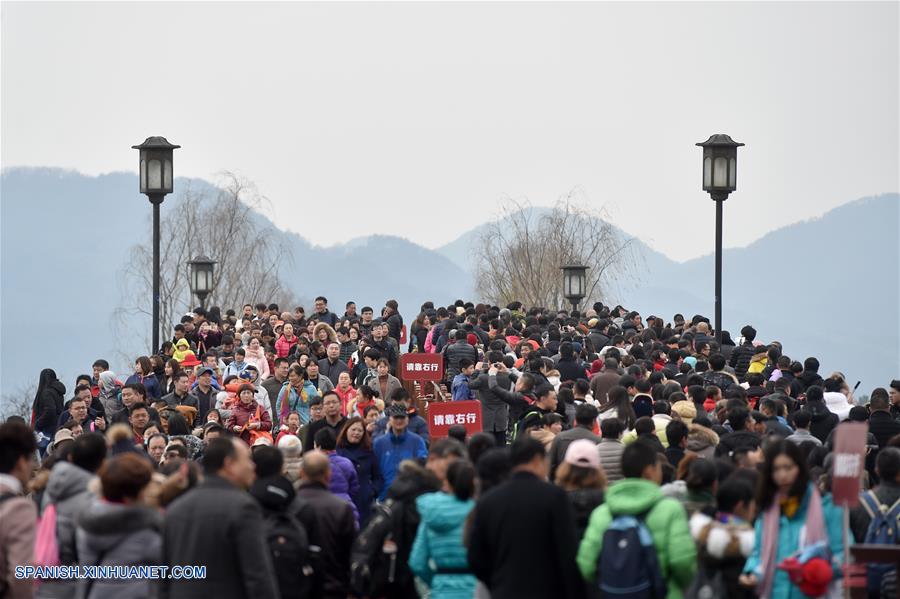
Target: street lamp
column 156, row 181
column 201, row 277
column 574, row 283
column 719, row 180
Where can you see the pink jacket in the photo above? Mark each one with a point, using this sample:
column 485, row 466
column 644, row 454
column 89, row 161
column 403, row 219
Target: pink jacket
column 283, row 346
column 19, row 516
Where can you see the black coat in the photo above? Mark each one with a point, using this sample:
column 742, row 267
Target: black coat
column 494, row 408
column 455, row 352
column 330, row 524
column 740, row 359
column 571, row 370
column 523, row 541
column 883, row 426
column 48, row 407
column 221, row 527
column 823, row 420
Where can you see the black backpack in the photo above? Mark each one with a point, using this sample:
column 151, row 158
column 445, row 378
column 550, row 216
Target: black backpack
column 628, row 567
column 289, row 547
column 375, row 563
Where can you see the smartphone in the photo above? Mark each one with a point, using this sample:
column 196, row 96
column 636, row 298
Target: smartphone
column 856, row 386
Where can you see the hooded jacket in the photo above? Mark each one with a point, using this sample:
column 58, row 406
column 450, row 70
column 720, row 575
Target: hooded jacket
column 823, row 420
column 702, row 440
column 741, row 357
column 837, row 404
column 113, row 534
column 668, row 525
column 344, row 481
column 439, row 541
column 47, row 407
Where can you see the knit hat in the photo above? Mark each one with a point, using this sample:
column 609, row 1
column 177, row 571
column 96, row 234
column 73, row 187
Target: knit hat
column 686, row 409
column 596, row 366
column 472, row 339
column 582, row 452
column 61, row 435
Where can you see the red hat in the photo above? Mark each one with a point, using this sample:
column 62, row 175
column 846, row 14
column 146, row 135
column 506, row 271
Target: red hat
column 190, row 360
column 472, row 339
column 596, row 366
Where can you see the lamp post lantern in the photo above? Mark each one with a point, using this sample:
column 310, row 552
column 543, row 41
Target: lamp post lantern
column 156, row 180
column 719, row 180
column 574, row 283
column 201, row 277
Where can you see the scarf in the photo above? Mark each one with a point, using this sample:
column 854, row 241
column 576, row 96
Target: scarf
column 814, row 532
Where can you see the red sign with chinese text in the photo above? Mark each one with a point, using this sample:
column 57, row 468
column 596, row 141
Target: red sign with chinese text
column 849, row 462
column 444, row 414
column 421, row 367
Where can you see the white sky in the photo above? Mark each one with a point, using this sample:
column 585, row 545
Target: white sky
column 362, row 118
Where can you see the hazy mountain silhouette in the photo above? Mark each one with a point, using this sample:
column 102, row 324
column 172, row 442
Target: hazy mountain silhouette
column 65, row 237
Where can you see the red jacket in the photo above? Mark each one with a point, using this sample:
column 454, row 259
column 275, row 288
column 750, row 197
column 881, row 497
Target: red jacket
column 283, row 346
column 242, row 413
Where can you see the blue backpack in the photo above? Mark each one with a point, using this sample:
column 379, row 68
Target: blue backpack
column 628, row 567
column 884, row 529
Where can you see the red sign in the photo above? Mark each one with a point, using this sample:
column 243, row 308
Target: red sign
column 849, row 462
column 444, row 414
column 421, row 367
column 403, row 335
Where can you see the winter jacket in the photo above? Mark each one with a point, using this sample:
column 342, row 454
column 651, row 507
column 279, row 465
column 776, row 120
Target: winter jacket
column 561, row 443
column 344, row 481
column 283, row 346
column 368, row 475
column 494, row 409
column 154, row 390
column 822, row 420
column 723, row 545
column 602, row 382
column 801, row 436
column 789, row 542
column 719, row 378
column 391, row 449
column 297, row 401
column 18, row 515
column 774, row 426
column 242, row 414
column 329, row 523
column 584, row 502
column 332, row 370
column 439, row 542
column 114, row 534
column 172, row 400
column 741, row 357
column 48, row 408
column 883, row 425
column 390, row 385
column 417, row 425
column 837, row 404
column 322, row 384
column 805, row 380
column 610, row 451
column 571, row 369
column 702, row 440
column 459, row 389
column 668, row 525
column 258, row 359
column 454, row 353
column 67, row 489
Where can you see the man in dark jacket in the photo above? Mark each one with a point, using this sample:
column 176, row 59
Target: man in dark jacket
column 330, row 525
column 597, row 335
column 823, row 420
column 525, row 521
column 810, row 374
column 393, row 319
column 569, row 366
column 716, row 375
column 773, row 425
column 881, row 422
column 742, row 436
column 605, row 380
column 181, row 395
column 741, row 356
column 585, row 417
column 494, row 409
column 220, row 526
column 456, row 351
column 887, row 465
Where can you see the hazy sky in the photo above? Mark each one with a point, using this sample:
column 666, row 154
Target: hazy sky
column 362, row 118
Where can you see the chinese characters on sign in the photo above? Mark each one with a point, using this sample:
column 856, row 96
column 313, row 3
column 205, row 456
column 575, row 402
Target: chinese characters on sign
column 443, row 415
column 421, row 367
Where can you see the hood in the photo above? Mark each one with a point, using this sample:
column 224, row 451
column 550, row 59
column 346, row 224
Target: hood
column 442, row 512
column 700, row 437
column 273, row 493
column 818, row 410
column 809, row 378
column 66, row 480
column 58, row 387
column 837, row 403
column 107, row 523
column 632, row 496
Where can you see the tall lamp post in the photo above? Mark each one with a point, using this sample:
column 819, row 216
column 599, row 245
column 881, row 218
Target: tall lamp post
column 574, row 283
column 719, row 180
column 201, row 277
column 156, row 181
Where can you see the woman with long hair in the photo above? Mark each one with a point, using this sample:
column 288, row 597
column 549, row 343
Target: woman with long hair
column 355, row 444
column 170, row 371
column 618, row 405
column 256, row 355
column 793, row 516
column 420, row 328
column 47, row 407
column 143, row 373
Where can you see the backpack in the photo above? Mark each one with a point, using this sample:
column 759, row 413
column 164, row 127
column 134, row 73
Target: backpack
column 289, row 547
column 884, row 529
column 628, row 567
column 373, row 558
column 46, row 545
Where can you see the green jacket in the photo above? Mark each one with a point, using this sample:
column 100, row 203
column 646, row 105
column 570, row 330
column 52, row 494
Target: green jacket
column 666, row 521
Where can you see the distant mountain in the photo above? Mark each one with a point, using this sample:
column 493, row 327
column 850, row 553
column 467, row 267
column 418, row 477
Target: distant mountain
column 827, row 287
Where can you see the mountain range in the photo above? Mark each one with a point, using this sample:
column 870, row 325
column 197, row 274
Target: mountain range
column 826, row 287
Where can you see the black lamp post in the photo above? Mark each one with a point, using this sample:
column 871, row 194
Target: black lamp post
column 574, row 283
column 201, row 277
column 156, row 181
column 719, row 180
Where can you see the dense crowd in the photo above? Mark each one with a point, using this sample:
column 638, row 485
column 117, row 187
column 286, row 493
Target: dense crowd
column 618, row 456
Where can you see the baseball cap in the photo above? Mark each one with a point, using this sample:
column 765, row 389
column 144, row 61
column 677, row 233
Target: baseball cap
column 582, row 452
column 205, row 370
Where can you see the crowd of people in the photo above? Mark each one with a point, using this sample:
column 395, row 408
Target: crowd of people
column 619, row 456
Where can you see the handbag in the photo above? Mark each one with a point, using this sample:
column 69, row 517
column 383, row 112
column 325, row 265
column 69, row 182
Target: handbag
column 257, row 433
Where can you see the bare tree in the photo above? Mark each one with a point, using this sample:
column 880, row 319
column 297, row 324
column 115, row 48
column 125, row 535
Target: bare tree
column 18, row 402
column 222, row 224
column 518, row 255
